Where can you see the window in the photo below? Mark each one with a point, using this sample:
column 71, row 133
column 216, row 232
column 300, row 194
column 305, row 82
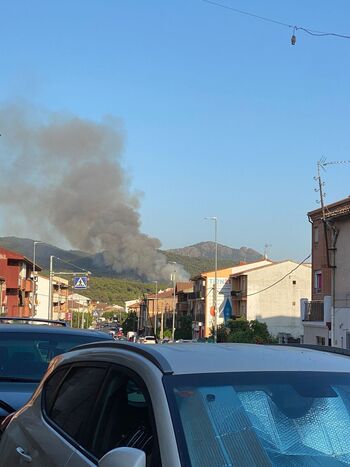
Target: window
column 126, row 418
column 316, row 236
column 318, row 281
column 320, row 340
column 74, row 401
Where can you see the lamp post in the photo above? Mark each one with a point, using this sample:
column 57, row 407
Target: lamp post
column 49, row 311
column 155, row 311
column 173, row 276
column 215, row 219
column 34, row 280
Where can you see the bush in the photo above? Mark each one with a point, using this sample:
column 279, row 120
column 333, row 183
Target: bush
column 243, row 331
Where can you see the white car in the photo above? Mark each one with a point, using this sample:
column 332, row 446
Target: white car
column 200, row 405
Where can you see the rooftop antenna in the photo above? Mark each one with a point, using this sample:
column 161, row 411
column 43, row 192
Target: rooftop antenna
column 321, row 164
column 266, row 248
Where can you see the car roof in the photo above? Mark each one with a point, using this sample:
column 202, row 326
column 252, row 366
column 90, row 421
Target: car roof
column 220, row 358
column 47, row 329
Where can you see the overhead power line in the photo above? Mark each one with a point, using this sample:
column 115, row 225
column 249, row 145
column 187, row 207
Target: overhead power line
column 281, row 279
column 294, row 27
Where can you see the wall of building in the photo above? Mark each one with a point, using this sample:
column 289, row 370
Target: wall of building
column 278, row 306
column 314, row 332
column 42, row 294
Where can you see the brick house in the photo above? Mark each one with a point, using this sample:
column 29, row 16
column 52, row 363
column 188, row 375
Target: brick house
column 16, row 271
column 326, row 318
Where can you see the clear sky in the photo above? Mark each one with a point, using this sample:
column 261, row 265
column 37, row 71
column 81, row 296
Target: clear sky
column 222, row 116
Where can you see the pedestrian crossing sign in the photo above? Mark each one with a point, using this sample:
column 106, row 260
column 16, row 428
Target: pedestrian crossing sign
column 80, row 282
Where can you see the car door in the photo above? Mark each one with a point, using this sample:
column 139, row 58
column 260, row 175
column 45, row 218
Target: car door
column 49, row 432
column 122, row 417
column 28, row 439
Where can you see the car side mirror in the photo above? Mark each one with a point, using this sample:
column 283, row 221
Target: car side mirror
column 123, row 457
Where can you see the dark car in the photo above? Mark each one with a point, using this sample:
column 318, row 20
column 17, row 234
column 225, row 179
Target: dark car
column 25, row 352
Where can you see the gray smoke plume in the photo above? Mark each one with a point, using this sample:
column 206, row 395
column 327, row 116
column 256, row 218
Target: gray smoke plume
column 61, row 176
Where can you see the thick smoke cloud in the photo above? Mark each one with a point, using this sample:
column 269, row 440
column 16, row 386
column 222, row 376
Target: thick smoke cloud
column 62, row 178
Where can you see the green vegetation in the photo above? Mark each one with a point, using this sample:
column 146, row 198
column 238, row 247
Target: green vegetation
column 195, row 266
column 184, row 328
column 116, row 291
column 130, row 323
column 241, row 330
column 78, row 318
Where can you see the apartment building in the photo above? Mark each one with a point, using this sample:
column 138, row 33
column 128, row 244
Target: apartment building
column 60, row 290
column 326, row 317
column 201, row 300
column 271, row 294
column 16, row 271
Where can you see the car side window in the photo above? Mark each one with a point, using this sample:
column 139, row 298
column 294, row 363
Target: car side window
column 126, row 418
column 74, row 401
column 52, row 386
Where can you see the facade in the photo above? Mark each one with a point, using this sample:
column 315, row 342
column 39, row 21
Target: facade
column 59, row 297
column 259, row 294
column 162, row 305
column 326, row 317
column 16, row 270
column 183, row 291
column 201, row 300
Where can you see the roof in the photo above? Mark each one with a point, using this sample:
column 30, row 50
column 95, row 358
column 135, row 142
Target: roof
column 184, row 286
column 221, row 358
column 168, row 293
column 46, row 329
column 236, row 269
column 337, row 209
column 14, row 255
column 276, row 263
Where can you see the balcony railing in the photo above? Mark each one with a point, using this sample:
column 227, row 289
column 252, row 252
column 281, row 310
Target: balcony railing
column 194, row 296
column 314, row 311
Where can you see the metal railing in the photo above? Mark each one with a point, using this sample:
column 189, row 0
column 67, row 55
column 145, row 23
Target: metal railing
column 314, row 311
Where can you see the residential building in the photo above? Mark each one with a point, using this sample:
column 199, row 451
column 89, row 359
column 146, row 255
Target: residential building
column 60, row 289
column 79, row 304
column 271, row 294
column 326, row 318
column 182, row 292
column 16, row 270
column 201, row 300
column 160, row 304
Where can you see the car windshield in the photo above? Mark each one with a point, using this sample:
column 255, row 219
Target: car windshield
column 262, row 419
column 27, row 355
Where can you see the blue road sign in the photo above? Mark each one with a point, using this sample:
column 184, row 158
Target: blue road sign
column 80, row 282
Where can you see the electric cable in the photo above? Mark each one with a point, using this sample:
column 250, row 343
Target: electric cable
column 312, row 32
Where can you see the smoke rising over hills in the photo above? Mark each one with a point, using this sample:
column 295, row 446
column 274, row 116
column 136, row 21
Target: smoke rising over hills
column 62, row 178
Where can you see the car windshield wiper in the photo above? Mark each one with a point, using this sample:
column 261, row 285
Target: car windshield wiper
column 15, row 379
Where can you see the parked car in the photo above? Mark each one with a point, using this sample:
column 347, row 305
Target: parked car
column 132, row 405
column 149, row 340
column 26, row 348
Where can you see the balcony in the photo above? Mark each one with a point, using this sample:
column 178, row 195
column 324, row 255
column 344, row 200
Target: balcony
column 182, row 307
column 314, row 311
column 239, row 294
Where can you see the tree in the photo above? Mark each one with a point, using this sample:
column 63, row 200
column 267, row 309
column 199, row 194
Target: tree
column 184, row 328
column 243, row 331
column 130, row 323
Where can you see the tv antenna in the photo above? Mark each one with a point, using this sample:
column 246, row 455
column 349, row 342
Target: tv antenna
column 321, row 164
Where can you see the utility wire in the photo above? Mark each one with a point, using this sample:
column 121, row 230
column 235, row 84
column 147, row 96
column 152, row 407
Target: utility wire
column 71, row 264
column 312, row 32
column 279, row 280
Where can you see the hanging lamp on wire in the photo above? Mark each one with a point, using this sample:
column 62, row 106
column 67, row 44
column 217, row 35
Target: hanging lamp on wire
column 293, row 39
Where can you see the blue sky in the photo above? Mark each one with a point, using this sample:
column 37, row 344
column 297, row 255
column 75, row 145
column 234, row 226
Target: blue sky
column 222, row 116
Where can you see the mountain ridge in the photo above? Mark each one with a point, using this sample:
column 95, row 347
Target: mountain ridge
column 194, row 258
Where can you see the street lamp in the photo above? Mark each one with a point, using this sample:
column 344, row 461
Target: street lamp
column 173, row 276
column 156, row 311
column 215, row 219
column 34, row 281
